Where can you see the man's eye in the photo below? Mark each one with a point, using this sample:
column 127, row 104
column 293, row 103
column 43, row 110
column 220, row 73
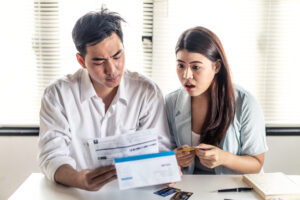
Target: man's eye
column 98, row 64
column 117, row 58
column 180, row 66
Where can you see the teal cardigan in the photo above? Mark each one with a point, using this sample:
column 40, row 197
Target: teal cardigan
column 245, row 136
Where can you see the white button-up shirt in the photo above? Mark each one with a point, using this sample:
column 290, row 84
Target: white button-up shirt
column 71, row 112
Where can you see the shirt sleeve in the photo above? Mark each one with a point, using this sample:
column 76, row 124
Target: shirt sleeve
column 153, row 115
column 170, row 116
column 54, row 137
column 253, row 134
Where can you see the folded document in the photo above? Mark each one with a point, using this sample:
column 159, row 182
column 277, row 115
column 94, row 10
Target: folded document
column 104, row 150
column 148, row 169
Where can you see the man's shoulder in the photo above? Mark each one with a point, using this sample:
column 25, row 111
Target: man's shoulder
column 64, row 83
column 139, row 81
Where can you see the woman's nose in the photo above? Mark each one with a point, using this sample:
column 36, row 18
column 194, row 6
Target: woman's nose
column 187, row 74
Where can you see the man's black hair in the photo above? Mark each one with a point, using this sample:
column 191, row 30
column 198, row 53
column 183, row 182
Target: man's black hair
column 94, row 27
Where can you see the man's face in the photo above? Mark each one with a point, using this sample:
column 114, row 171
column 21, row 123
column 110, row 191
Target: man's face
column 105, row 63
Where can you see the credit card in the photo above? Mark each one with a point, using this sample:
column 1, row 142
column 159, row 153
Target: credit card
column 166, row 191
column 181, row 195
column 187, row 149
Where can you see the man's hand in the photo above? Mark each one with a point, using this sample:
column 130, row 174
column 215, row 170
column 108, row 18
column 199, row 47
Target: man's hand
column 173, row 183
column 210, row 156
column 92, row 180
column 184, row 158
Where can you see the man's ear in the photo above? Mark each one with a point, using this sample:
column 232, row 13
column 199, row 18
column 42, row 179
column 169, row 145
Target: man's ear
column 80, row 60
column 218, row 66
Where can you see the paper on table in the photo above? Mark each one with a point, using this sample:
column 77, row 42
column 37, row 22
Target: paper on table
column 104, row 150
column 145, row 170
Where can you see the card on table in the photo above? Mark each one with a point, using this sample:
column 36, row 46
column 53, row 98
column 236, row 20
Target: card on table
column 166, row 191
column 148, row 169
column 181, row 195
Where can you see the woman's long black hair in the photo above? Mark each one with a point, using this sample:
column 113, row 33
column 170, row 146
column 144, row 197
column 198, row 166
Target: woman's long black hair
column 222, row 104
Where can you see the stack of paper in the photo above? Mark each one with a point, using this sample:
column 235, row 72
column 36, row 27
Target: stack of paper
column 273, row 185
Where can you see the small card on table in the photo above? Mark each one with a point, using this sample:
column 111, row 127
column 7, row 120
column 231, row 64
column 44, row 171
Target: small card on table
column 181, row 195
column 166, row 191
column 148, row 169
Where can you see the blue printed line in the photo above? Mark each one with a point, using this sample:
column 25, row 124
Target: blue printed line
column 126, row 178
column 145, row 156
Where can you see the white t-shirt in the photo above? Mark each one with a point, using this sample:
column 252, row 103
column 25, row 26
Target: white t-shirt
column 195, row 139
column 71, row 112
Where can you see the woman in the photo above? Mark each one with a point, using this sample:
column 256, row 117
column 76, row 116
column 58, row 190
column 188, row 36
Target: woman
column 221, row 121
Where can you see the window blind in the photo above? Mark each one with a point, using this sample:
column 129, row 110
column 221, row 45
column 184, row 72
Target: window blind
column 46, row 43
column 18, row 75
column 261, row 39
column 39, row 49
column 48, row 52
column 147, row 36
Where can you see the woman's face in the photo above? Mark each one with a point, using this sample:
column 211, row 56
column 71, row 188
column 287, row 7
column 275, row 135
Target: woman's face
column 195, row 71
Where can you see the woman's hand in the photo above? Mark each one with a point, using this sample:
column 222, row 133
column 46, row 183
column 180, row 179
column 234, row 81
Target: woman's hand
column 184, row 159
column 210, row 156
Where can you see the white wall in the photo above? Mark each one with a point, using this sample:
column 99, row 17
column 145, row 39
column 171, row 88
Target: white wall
column 283, row 154
column 18, row 159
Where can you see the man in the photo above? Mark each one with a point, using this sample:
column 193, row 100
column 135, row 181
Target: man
column 99, row 100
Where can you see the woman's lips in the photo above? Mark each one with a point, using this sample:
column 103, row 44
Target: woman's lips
column 189, row 86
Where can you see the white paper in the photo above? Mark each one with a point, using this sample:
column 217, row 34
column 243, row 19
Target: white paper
column 104, row 150
column 145, row 170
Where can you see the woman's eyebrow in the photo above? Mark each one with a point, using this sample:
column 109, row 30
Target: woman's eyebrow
column 193, row 62
column 196, row 61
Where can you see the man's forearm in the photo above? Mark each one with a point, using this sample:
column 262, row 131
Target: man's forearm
column 67, row 175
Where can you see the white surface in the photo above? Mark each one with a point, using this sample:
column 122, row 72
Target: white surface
column 283, row 156
column 203, row 187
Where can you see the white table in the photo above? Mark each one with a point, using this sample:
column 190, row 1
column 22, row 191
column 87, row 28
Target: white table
column 204, row 187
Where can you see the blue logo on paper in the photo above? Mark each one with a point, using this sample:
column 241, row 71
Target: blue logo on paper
column 126, row 178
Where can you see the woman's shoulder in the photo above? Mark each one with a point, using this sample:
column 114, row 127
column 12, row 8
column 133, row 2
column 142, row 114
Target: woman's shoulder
column 173, row 96
column 246, row 102
column 243, row 96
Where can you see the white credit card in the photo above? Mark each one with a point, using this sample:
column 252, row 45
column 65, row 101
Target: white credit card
column 148, row 169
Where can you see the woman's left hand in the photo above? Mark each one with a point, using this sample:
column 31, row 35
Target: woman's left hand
column 210, row 156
